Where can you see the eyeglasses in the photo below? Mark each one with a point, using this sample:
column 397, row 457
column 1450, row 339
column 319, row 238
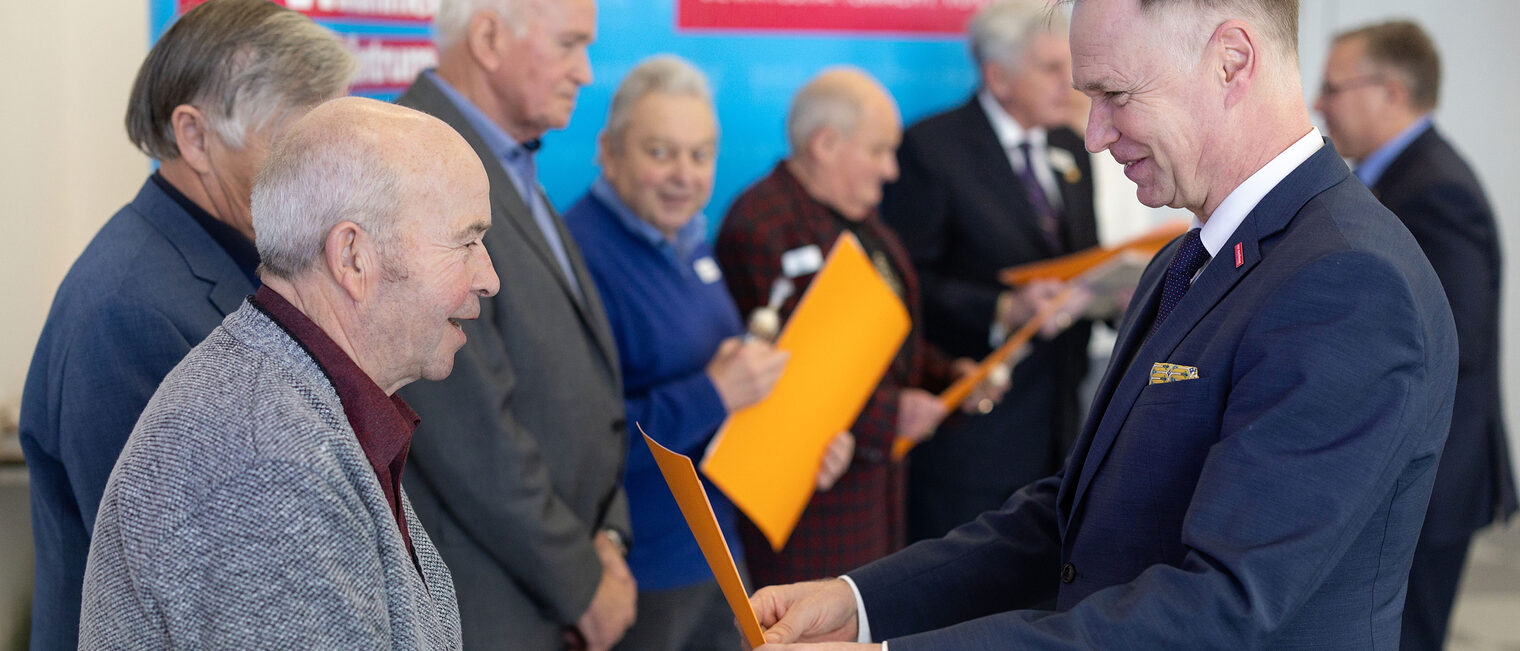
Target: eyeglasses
column 1328, row 89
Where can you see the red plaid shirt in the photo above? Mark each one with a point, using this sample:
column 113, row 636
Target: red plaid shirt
column 862, row 517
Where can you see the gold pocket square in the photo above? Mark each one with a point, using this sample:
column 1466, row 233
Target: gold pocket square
column 1162, row 372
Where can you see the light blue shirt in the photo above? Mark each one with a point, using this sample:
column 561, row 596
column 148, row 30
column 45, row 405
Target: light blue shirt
column 678, row 251
column 1371, row 168
column 518, row 162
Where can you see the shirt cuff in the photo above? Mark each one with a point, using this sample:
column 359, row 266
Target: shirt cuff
column 862, row 624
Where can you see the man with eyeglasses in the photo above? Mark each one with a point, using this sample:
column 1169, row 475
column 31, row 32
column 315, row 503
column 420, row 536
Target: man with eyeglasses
column 1381, row 85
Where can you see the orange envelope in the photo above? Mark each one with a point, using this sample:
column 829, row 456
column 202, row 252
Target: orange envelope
column 842, row 337
column 687, row 489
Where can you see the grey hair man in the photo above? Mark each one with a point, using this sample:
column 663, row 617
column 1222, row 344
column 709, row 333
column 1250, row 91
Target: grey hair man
column 1259, row 456
column 211, row 95
column 519, row 466
column 1379, row 94
column 1030, row 199
column 258, row 502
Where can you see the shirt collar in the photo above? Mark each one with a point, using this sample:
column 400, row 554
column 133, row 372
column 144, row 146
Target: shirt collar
column 687, row 239
column 243, row 253
column 1010, row 133
column 506, row 149
column 1233, row 210
column 1371, row 168
column 383, row 424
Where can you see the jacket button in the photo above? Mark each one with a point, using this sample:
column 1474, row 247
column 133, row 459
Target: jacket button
column 1068, row 573
column 620, row 426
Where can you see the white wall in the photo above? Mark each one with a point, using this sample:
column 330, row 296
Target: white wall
column 1479, row 95
column 66, row 164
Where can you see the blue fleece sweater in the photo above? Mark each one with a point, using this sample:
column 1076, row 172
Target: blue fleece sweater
column 669, row 309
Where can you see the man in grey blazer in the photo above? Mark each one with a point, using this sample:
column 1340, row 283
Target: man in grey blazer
column 517, row 469
column 258, row 502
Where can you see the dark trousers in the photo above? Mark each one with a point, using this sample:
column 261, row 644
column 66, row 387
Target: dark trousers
column 1433, row 581
column 690, row 618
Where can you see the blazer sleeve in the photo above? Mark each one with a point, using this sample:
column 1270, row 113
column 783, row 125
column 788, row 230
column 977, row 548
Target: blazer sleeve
column 498, row 487
column 939, row 583
column 112, row 364
column 1297, row 474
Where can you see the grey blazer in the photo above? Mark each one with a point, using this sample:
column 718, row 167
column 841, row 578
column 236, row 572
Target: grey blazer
column 243, row 514
column 519, row 459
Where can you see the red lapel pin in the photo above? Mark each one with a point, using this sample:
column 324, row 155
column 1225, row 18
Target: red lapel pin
column 1240, row 257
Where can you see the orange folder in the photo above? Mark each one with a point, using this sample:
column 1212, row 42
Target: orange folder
column 682, row 479
column 1072, row 265
column 957, row 392
column 842, row 338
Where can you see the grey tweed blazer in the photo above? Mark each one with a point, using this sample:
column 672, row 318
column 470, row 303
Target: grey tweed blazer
column 244, row 514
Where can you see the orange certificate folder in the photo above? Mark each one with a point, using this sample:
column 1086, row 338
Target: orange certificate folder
column 681, row 476
column 842, row 337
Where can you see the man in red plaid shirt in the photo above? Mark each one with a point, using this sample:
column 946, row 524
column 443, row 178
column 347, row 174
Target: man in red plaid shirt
column 843, row 129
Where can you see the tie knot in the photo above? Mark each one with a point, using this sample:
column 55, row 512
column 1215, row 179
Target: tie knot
column 533, row 145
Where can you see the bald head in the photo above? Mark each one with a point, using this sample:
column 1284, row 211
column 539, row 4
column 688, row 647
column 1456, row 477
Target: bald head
column 835, row 99
column 844, row 131
column 350, row 159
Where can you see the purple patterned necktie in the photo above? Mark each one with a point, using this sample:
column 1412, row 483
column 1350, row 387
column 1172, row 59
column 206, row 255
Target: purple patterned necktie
column 1050, row 222
column 1190, row 257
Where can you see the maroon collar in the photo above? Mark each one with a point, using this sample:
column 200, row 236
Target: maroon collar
column 383, row 424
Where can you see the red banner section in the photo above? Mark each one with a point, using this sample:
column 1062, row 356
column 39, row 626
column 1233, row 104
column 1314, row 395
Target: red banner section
column 413, row 10
column 901, row 16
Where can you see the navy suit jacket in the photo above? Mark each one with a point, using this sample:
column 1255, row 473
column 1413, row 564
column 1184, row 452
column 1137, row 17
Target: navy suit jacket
column 1273, row 502
column 1437, row 196
column 149, row 287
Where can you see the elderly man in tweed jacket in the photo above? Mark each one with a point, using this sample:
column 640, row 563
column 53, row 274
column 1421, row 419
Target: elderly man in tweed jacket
column 258, row 502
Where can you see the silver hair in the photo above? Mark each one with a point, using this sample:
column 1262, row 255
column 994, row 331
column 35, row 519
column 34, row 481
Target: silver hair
column 313, row 181
column 662, row 73
column 246, row 64
column 820, row 106
column 451, row 23
column 1001, row 31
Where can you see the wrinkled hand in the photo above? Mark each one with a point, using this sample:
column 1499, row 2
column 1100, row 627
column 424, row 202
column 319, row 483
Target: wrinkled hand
column 987, row 394
column 816, row 611
column 836, row 460
column 612, row 607
column 744, row 372
column 918, row 413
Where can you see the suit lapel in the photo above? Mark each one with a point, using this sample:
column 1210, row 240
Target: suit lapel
column 1270, row 216
column 425, row 96
column 206, row 258
column 998, row 170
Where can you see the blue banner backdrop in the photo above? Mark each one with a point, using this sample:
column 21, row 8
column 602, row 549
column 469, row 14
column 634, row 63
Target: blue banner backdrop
column 754, row 73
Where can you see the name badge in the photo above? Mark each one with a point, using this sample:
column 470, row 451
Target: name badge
column 707, row 270
column 801, row 261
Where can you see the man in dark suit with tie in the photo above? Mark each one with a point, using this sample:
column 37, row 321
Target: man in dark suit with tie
column 1262, row 447
column 164, row 270
column 1381, row 84
column 993, row 183
column 517, row 468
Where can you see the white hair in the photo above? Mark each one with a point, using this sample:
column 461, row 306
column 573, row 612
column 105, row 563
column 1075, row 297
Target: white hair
column 451, row 24
column 1000, row 32
column 663, row 73
column 311, row 182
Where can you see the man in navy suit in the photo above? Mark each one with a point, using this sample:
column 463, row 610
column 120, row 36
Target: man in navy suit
column 165, row 270
column 1263, row 444
column 1381, row 84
